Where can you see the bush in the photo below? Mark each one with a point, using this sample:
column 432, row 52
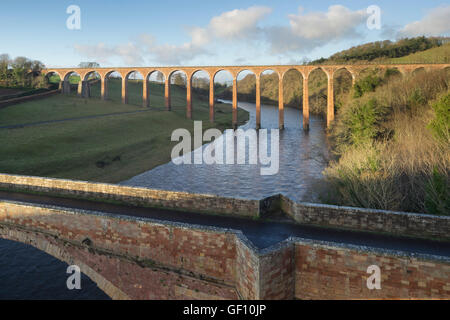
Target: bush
column 363, row 121
column 437, row 199
column 440, row 125
column 393, row 147
column 367, row 84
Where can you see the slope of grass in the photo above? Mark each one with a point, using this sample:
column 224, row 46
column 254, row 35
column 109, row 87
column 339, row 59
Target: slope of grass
column 105, row 149
column 434, row 55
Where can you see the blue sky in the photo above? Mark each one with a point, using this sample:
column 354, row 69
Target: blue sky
column 206, row 32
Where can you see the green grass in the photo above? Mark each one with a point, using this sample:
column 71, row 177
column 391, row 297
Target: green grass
column 105, row 149
column 434, row 55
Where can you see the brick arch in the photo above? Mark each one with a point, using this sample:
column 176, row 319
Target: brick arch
column 47, row 72
column 215, row 72
column 293, row 69
column 111, row 71
column 128, row 73
column 149, row 74
column 171, row 72
column 69, row 73
column 193, row 72
column 65, row 252
column 87, row 73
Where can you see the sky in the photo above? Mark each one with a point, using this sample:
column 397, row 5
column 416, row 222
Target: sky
column 207, row 32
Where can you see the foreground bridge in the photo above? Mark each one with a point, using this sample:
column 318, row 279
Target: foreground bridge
column 133, row 251
column 280, row 70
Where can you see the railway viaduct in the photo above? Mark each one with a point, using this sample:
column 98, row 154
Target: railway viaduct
column 280, row 70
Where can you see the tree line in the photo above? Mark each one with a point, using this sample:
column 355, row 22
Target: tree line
column 383, row 49
column 21, row 72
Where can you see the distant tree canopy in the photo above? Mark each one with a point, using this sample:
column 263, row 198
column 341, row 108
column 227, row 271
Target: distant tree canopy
column 21, row 71
column 383, row 49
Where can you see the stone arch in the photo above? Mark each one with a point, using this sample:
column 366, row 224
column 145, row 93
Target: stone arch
column 113, row 85
column 200, row 81
column 342, row 85
column 92, row 84
column 318, row 91
column 177, row 81
column 132, row 88
column 271, row 78
column 293, row 91
column 71, row 82
column 224, row 82
column 70, row 254
column 418, row 71
column 393, row 72
column 246, row 80
column 155, row 81
column 54, row 79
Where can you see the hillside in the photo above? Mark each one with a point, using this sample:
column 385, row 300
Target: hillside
column 416, row 50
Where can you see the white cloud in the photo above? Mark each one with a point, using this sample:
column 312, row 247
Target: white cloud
column 436, row 22
column 310, row 30
column 102, row 53
column 239, row 23
column 337, row 23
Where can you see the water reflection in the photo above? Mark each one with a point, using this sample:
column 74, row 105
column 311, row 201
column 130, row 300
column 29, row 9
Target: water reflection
column 302, row 160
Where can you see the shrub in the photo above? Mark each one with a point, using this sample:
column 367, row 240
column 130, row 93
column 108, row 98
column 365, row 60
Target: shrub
column 437, row 200
column 366, row 84
column 440, row 125
column 363, row 121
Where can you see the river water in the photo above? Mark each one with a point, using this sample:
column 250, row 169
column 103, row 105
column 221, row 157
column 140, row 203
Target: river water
column 302, row 158
column 27, row 273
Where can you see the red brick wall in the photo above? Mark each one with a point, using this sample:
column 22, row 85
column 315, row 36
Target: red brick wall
column 142, row 259
column 324, row 272
column 247, row 270
column 150, row 254
column 277, row 274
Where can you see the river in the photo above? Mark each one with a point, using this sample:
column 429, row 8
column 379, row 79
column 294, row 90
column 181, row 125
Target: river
column 302, row 158
column 28, row 273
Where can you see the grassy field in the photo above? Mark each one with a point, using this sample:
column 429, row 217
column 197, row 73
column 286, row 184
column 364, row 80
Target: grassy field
column 434, row 55
column 105, row 149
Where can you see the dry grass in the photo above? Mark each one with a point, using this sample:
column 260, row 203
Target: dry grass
column 404, row 167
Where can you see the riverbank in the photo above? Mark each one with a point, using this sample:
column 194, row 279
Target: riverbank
column 108, row 143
